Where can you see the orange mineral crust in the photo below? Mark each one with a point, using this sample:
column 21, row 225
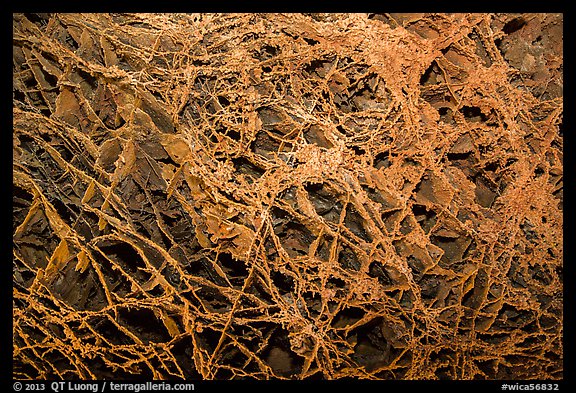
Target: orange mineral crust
column 293, row 196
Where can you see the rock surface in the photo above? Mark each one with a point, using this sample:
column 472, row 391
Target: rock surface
column 262, row 196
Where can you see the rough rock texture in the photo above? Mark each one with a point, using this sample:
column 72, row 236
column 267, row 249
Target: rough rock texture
column 288, row 196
